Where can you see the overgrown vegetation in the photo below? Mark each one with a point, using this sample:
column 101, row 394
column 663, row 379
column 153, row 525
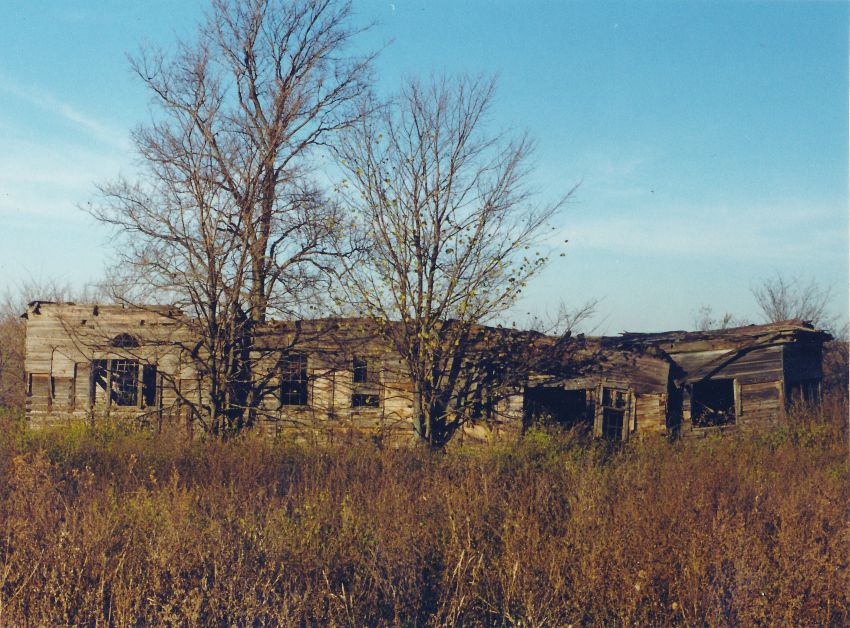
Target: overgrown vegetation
column 105, row 525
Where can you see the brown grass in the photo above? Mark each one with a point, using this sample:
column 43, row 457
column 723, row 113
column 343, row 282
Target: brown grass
column 99, row 525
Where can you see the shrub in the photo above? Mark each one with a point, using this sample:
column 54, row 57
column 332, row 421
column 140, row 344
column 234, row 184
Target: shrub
column 109, row 526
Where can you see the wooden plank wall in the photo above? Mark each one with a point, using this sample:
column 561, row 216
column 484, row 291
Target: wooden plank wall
column 758, row 374
column 760, row 365
column 651, row 412
column 762, row 403
column 331, row 346
column 645, row 376
column 61, row 342
column 643, row 373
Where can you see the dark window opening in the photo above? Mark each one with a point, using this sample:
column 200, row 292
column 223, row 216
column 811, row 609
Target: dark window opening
column 363, row 374
column 802, row 392
column 124, row 341
column 119, row 382
column 555, row 406
column 713, row 403
column 615, row 398
column 612, row 424
column 365, row 379
column 615, row 404
column 481, row 404
column 149, row 385
column 125, row 382
column 365, row 400
column 293, row 380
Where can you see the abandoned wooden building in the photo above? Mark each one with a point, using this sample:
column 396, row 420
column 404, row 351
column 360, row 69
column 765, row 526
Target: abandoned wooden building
column 330, row 376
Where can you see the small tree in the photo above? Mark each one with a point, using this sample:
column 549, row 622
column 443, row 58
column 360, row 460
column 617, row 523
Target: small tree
column 782, row 298
column 449, row 226
column 705, row 320
column 225, row 221
column 566, row 320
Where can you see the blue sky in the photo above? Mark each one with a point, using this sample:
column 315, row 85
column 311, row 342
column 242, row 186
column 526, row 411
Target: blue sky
column 710, row 139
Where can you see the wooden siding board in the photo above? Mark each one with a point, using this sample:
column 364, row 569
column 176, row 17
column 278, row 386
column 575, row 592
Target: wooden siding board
column 764, row 364
column 651, row 413
column 760, row 403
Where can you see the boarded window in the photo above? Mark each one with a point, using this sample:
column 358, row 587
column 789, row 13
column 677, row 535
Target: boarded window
column 190, row 390
column 63, row 392
column 39, row 388
column 713, row 402
column 293, row 380
column 365, row 400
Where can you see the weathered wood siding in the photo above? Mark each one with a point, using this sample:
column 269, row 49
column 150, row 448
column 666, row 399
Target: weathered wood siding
column 651, row 413
column 761, row 403
column 759, row 365
column 61, row 343
column 644, row 376
column 758, row 377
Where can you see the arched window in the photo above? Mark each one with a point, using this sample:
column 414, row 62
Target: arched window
column 124, row 341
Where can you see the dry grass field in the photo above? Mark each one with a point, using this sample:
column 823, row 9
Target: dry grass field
column 99, row 525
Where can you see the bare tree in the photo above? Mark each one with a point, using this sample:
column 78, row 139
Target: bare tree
column 782, row 298
column 450, row 227
column 225, row 221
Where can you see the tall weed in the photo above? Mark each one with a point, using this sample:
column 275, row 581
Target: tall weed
column 107, row 525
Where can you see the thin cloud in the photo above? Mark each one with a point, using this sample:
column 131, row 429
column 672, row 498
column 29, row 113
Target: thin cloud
column 747, row 235
column 50, row 104
column 48, row 178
